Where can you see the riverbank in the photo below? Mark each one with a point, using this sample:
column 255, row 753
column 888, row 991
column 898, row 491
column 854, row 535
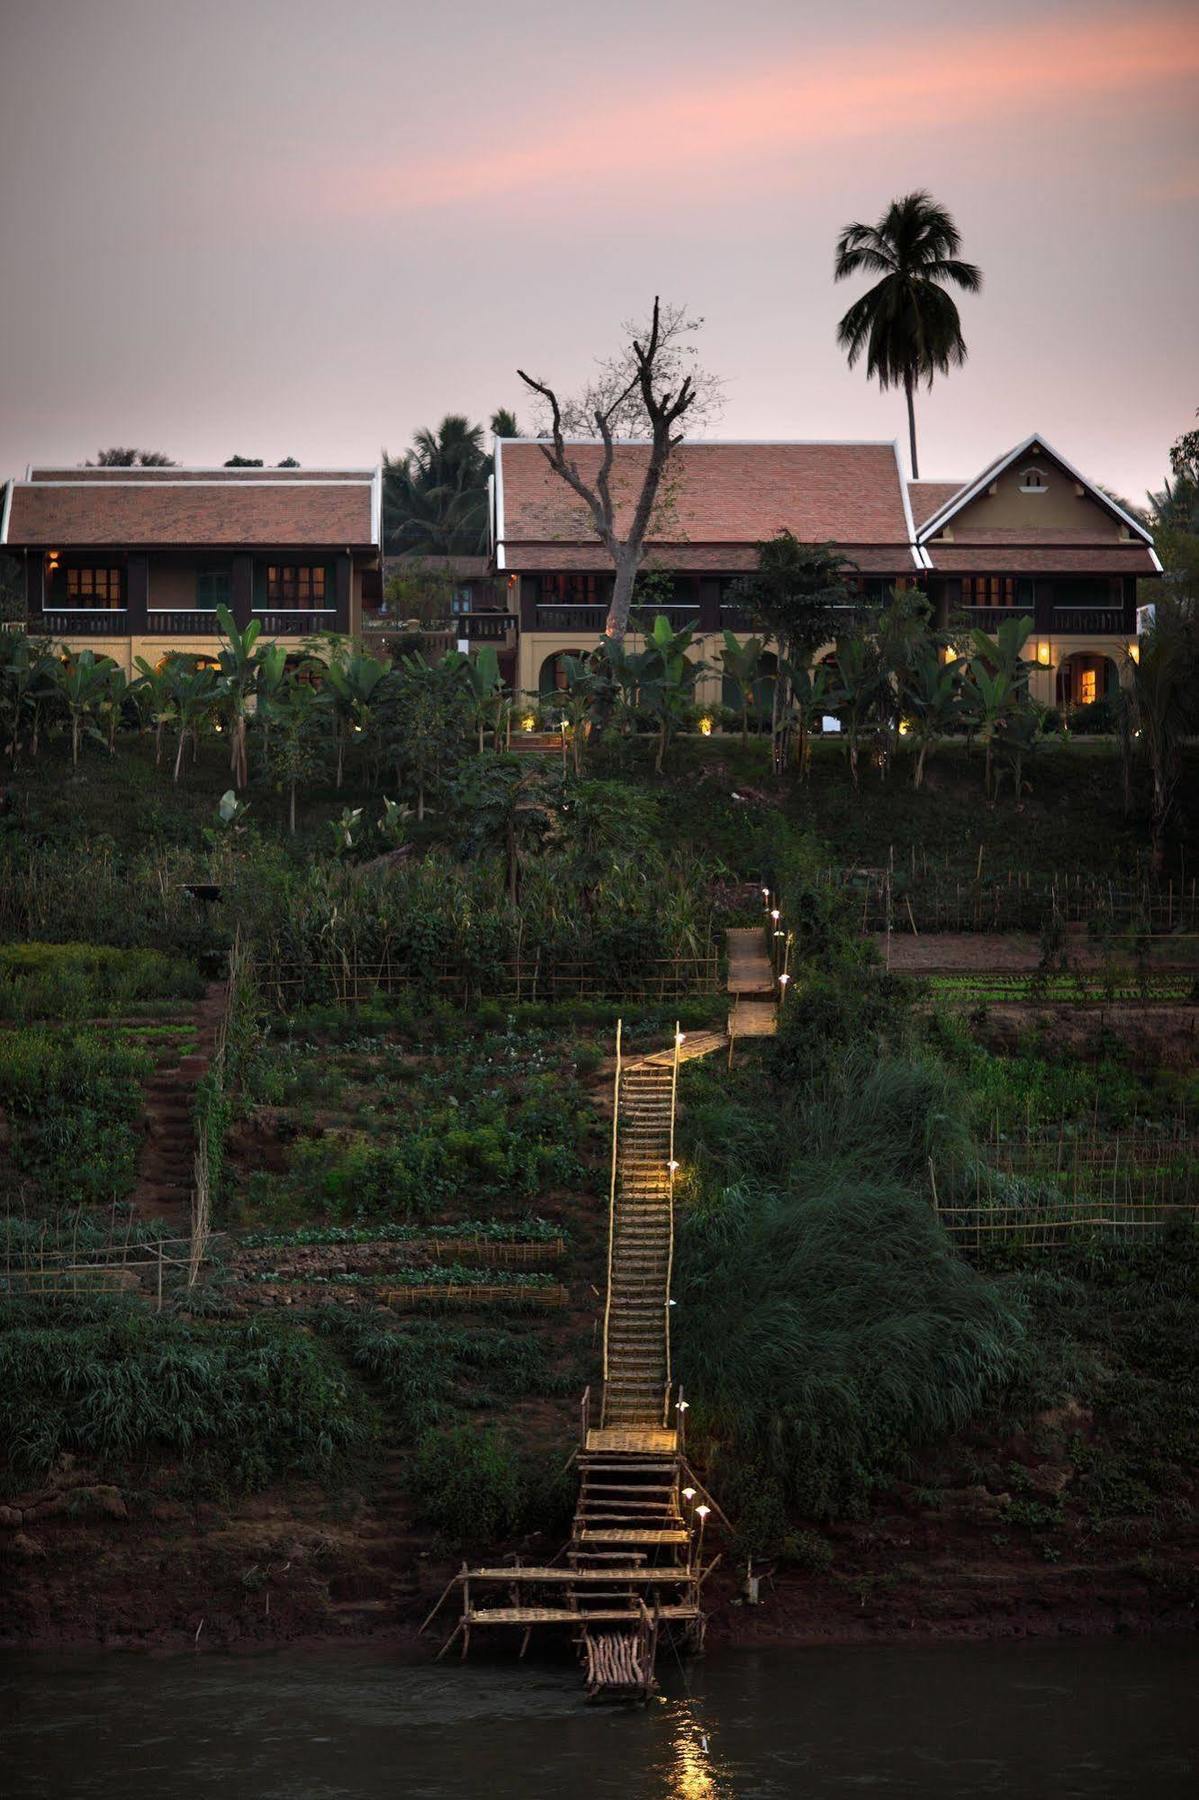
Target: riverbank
column 97, row 1567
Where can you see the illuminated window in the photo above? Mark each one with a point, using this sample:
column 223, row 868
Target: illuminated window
column 94, row 588
column 988, row 590
column 297, row 586
column 1088, row 687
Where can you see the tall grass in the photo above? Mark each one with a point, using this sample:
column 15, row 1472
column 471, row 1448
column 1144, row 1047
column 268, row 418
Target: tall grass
column 111, row 1383
column 77, row 981
column 825, row 1329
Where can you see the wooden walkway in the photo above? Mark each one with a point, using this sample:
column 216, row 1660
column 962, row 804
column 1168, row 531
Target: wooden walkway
column 633, row 1560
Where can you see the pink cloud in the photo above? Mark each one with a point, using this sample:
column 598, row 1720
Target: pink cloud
column 802, row 104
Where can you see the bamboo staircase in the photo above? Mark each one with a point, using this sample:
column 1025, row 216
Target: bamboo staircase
column 634, row 1560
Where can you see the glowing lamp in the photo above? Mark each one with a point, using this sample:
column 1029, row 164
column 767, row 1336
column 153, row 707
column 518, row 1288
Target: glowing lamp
column 1043, row 653
column 784, row 978
column 528, row 722
column 682, row 1407
column 672, row 1165
column 1134, row 652
column 705, row 727
column 688, row 1494
column 701, row 1512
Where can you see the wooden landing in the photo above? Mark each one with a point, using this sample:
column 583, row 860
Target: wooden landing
column 579, row 1577
column 618, row 1535
column 635, row 1440
column 754, row 1018
column 563, row 1615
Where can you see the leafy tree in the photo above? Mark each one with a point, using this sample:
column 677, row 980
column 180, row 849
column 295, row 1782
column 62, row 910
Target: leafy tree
column 503, row 423
column 858, row 690
column 996, row 687
column 422, row 715
column 119, row 458
column 243, row 462
column 12, row 589
column 353, row 680
column 907, row 324
column 1165, row 702
column 508, row 806
column 793, row 594
column 29, row 679
column 294, row 754
column 289, row 462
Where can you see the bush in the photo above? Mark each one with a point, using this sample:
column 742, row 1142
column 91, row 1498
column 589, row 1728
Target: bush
column 113, row 1383
column 76, row 981
column 467, row 1486
column 72, row 1098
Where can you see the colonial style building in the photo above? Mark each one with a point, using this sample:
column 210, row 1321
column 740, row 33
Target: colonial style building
column 1029, row 535
column 134, row 562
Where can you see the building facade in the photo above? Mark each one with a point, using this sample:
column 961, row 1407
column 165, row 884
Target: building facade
column 133, row 563
column 1029, row 536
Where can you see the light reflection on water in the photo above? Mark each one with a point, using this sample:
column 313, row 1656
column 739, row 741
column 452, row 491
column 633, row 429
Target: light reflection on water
column 1017, row 1722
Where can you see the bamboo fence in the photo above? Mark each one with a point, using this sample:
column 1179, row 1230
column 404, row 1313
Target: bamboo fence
column 353, row 980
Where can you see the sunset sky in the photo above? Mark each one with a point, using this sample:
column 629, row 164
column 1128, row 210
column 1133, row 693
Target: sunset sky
column 294, row 227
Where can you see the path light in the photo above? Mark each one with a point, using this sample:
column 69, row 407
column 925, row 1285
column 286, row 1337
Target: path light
column 672, row 1165
column 705, row 727
column 681, row 1406
column 701, row 1513
column 688, row 1495
column 775, row 914
column 765, row 893
column 784, row 978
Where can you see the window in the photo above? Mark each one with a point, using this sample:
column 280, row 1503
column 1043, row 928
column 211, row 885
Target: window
column 212, row 589
column 1088, row 687
column 576, row 589
column 988, row 590
column 98, row 588
column 299, row 587
column 1033, row 482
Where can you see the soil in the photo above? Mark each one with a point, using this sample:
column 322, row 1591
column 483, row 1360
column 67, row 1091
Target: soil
column 87, row 1563
column 1010, row 952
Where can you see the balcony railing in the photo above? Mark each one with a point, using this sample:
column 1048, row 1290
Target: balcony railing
column 1090, row 619
column 295, row 622
column 571, row 618
column 172, row 622
column 990, row 618
column 79, row 621
column 484, row 628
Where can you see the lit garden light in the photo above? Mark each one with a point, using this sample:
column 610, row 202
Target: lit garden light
column 784, row 978
column 775, row 914
column 672, row 1165
column 701, row 1513
column 689, row 1494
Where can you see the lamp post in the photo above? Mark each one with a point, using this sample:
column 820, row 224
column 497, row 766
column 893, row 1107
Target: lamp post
column 701, row 1513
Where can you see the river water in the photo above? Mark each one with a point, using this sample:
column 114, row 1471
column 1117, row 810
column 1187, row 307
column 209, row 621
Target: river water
column 1022, row 1721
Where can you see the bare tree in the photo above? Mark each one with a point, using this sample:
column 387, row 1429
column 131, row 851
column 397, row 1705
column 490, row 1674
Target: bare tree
column 640, row 395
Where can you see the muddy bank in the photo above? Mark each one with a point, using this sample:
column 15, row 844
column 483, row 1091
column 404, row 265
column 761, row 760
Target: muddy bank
column 87, row 1564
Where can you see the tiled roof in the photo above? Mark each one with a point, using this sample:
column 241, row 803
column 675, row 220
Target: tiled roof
column 1053, row 559
column 714, row 494
column 696, row 559
column 928, row 497
column 131, row 507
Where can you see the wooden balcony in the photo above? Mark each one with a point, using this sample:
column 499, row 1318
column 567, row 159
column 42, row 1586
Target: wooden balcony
column 77, row 621
column 1108, row 620
column 990, row 618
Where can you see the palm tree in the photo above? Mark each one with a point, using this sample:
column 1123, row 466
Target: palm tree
column 435, row 495
column 907, row 324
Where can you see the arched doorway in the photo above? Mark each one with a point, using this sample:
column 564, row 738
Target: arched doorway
column 1085, row 678
column 552, row 679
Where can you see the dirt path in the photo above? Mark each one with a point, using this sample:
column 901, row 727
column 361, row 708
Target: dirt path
column 165, row 1167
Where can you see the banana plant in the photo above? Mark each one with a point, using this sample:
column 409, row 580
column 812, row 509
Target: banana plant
column 666, row 678
column 485, row 685
column 239, row 661
column 810, row 688
column 931, row 703
column 859, row 691
column 990, row 697
column 29, row 677
column 196, row 695
column 154, row 691
column 352, row 680
column 85, row 684
column 742, row 665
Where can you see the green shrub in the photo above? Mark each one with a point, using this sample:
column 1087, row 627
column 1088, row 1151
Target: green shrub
column 467, row 1486
column 113, row 1383
column 76, row 981
column 72, row 1098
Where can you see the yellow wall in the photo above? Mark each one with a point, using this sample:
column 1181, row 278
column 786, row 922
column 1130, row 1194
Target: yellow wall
column 1059, row 507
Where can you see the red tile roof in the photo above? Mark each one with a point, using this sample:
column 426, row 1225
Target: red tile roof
column 697, row 559
column 1053, row 559
column 120, row 508
column 714, row 494
column 928, row 497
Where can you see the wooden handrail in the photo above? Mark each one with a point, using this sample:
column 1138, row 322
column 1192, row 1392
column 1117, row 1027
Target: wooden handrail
column 612, row 1200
